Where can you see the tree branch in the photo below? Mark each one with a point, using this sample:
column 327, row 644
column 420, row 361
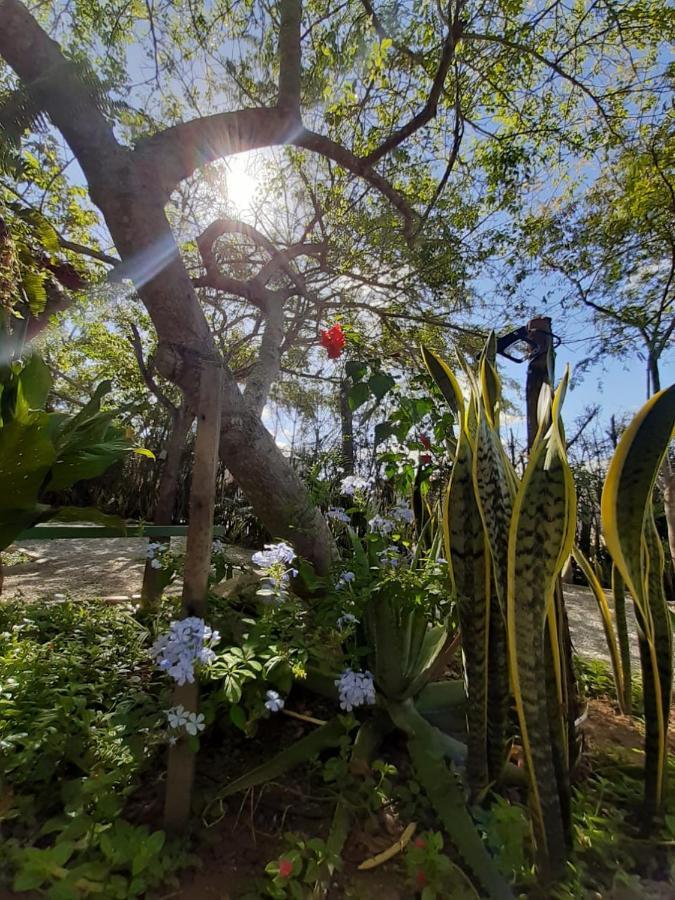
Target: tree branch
column 318, row 143
column 290, row 67
column 430, row 108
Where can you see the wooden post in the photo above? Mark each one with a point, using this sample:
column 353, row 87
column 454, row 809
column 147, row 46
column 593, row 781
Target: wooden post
column 540, row 370
column 181, row 767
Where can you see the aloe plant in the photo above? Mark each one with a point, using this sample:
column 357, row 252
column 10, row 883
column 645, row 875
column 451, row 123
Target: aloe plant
column 635, row 547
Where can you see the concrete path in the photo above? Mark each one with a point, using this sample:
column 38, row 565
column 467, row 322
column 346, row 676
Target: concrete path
column 113, row 568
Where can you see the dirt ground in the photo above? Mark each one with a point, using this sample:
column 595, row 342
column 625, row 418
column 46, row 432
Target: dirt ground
column 112, row 568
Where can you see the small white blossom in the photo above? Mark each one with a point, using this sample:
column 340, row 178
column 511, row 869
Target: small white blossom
column 339, row 515
column 195, row 723
column 152, row 549
column 274, row 702
column 155, row 564
column 344, row 578
column 353, row 483
column 355, row 689
column 177, row 716
column 217, row 547
column 347, row 619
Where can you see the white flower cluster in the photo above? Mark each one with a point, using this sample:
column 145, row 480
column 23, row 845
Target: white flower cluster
column 338, row 515
column 389, row 558
column 274, row 560
column 274, row 702
column 402, row 514
column 217, row 547
column 353, row 483
column 151, row 553
column 347, row 619
column 180, row 719
column 273, row 554
column 344, row 578
column 187, row 642
column 381, row 525
column 355, row 689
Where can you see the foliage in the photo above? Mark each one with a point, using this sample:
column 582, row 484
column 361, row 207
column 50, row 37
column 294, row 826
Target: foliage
column 80, row 722
column 506, row 542
column 632, row 540
column 45, row 452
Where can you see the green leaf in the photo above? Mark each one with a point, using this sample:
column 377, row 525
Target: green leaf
column 328, row 735
column 383, row 430
column 238, row 717
column 358, row 395
column 36, row 381
column 380, row 384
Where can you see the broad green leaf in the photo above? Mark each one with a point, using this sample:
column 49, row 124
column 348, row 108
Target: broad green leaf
column 358, row 395
column 445, row 380
column 630, row 483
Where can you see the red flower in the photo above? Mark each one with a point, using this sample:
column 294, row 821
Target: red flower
column 425, row 442
column 420, row 878
column 334, row 341
column 425, row 458
column 420, row 843
column 285, row 868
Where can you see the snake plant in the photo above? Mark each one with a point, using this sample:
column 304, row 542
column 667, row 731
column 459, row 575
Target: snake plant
column 506, row 542
column 635, row 547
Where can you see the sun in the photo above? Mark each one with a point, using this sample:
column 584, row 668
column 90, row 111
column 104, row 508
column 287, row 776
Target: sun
column 242, row 184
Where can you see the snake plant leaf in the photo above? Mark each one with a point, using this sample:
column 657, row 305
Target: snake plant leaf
column 630, row 483
column 607, row 623
column 445, row 381
column 469, row 568
column 490, row 383
column 619, row 594
column 388, row 642
column 495, row 490
column 630, row 534
column 540, row 540
column 422, row 665
column 656, row 653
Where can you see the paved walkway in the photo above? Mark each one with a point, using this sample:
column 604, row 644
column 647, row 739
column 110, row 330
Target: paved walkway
column 113, row 568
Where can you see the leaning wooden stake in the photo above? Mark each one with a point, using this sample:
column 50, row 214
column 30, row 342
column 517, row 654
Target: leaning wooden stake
column 180, row 774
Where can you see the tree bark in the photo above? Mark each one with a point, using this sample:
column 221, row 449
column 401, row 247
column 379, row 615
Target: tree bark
column 130, row 189
column 180, row 773
column 167, row 491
